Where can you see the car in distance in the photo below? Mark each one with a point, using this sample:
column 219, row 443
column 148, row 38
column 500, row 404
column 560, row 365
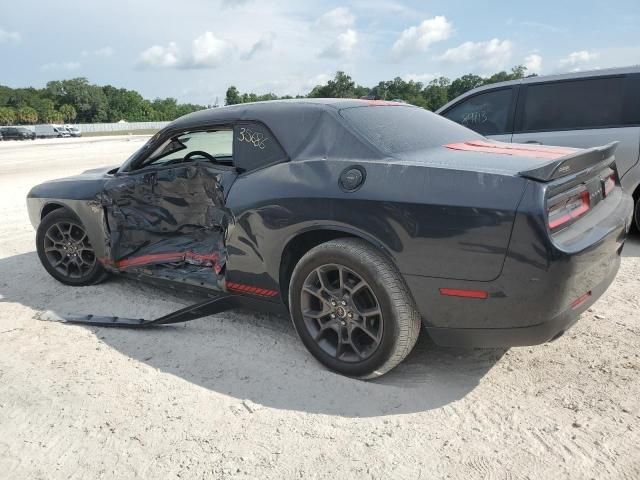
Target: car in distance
column 365, row 220
column 17, row 133
column 51, row 131
column 73, row 131
column 579, row 109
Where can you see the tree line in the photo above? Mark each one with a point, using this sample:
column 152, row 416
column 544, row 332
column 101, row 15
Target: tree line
column 431, row 95
column 77, row 100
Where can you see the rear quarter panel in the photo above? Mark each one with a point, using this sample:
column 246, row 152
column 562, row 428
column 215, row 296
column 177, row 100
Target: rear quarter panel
column 434, row 222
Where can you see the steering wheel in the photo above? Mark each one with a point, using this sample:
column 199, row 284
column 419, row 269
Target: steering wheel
column 199, row 153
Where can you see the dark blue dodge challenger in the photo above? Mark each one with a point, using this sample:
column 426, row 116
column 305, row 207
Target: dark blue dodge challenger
column 363, row 219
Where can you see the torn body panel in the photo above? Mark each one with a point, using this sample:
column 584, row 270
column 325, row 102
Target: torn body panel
column 170, row 222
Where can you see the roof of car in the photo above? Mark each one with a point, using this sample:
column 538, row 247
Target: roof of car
column 231, row 112
column 546, row 78
column 292, row 122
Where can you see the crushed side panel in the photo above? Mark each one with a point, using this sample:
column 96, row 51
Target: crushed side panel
column 169, row 222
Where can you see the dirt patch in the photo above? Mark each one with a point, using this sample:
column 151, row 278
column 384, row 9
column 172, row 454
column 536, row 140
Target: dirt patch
column 237, row 396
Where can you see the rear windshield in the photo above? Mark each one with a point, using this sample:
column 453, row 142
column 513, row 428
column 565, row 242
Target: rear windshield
column 396, row 129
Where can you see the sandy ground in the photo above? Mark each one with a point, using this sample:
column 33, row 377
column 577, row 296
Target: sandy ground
column 238, row 396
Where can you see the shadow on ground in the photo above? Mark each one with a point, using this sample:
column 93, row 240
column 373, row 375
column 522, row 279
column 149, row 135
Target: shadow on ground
column 255, row 357
column 632, row 246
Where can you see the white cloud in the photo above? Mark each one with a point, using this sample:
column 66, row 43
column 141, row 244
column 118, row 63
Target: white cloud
column 234, row 3
column 336, row 19
column 343, row 46
column 9, row 37
column 490, row 54
column 533, row 63
column 578, row 58
column 419, row 38
column 264, row 44
column 319, row 79
column 104, row 52
column 60, row 66
column 419, row 77
column 208, row 51
column 100, row 52
column 159, row 56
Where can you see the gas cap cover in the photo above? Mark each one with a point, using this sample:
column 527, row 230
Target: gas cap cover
column 352, row 178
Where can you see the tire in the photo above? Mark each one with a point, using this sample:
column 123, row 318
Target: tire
column 375, row 328
column 61, row 241
column 636, row 215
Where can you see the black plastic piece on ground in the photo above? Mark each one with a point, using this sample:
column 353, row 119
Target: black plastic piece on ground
column 192, row 312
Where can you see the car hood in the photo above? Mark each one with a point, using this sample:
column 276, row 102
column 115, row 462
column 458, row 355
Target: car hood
column 85, row 186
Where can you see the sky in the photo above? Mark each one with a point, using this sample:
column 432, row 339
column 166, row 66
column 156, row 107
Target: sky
column 193, row 50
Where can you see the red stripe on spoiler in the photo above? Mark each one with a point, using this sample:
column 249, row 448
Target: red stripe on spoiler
column 523, row 150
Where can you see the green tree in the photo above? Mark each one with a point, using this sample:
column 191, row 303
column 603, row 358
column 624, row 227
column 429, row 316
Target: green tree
column 232, row 97
column 398, row 89
column 27, row 115
column 342, row 86
column 463, row 84
column 68, row 113
column 436, row 93
column 7, row 116
column 89, row 100
column 516, row 73
column 46, row 110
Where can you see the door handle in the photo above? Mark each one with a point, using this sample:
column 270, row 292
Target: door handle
column 535, row 142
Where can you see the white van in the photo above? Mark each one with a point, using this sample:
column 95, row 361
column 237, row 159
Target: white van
column 51, row 131
column 73, row 131
column 582, row 109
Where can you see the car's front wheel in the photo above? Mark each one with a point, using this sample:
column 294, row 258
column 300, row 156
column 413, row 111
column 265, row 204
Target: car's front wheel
column 352, row 308
column 65, row 250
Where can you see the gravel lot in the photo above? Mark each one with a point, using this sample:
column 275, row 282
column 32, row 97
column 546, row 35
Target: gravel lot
column 238, row 396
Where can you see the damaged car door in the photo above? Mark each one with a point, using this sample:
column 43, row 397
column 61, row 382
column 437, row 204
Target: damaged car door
column 167, row 218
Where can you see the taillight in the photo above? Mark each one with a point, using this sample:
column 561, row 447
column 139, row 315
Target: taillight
column 608, row 184
column 564, row 209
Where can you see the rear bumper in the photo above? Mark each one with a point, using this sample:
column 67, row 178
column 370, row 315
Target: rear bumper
column 531, row 301
column 520, row 336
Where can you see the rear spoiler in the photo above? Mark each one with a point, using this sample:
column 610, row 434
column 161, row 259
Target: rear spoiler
column 572, row 163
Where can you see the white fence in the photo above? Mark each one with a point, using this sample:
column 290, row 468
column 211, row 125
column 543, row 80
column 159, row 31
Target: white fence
column 111, row 127
column 119, row 127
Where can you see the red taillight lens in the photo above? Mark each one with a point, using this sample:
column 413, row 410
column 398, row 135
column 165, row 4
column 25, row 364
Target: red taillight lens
column 568, row 209
column 608, row 184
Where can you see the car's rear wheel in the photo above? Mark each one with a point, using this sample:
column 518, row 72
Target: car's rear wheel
column 352, row 308
column 65, row 250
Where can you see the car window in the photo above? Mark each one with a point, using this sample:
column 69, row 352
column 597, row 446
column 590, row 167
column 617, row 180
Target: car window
column 396, row 129
column 254, row 146
column 576, row 104
column 486, row 113
column 185, row 147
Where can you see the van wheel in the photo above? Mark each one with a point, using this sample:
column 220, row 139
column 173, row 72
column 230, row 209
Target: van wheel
column 352, row 309
column 636, row 215
column 65, row 250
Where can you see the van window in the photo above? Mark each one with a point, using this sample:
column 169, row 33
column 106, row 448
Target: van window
column 486, row 113
column 576, row 104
